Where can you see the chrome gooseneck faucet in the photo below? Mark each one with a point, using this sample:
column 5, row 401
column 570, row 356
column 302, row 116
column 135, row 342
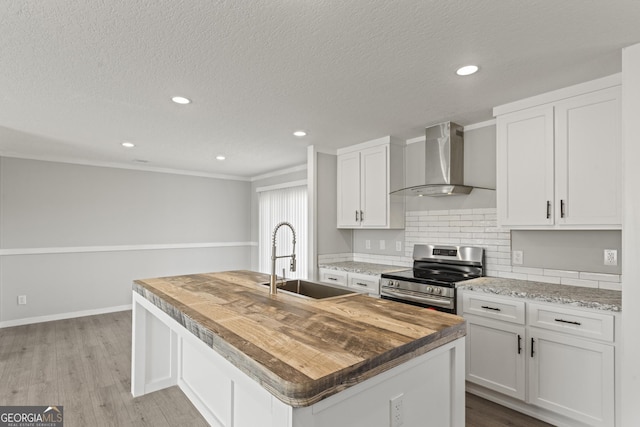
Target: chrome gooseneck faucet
column 273, row 289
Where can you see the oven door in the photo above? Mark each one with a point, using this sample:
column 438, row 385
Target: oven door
column 447, row 305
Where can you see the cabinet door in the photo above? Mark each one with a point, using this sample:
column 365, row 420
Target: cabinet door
column 525, row 167
column 374, row 186
column 588, row 159
column 572, row 376
column 495, row 355
column 349, row 190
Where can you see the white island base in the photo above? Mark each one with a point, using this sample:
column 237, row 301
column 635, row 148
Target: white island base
column 428, row 390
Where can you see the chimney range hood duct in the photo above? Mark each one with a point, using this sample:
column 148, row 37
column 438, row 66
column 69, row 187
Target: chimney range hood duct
column 434, row 167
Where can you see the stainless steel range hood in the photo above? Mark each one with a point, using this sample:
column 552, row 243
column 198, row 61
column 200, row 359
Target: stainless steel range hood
column 435, row 167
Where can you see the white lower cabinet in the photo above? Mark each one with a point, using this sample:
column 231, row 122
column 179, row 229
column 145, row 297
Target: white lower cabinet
column 365, row 283
column 553, row 362
column 572, row 376
column 495, row 355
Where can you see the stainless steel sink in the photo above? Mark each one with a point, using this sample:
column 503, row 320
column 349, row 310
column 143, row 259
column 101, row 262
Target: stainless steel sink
column 311, row 289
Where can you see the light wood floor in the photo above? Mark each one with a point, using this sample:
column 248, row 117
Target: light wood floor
column 84, row 364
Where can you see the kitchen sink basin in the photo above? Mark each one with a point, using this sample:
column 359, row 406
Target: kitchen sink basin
column 311, row 289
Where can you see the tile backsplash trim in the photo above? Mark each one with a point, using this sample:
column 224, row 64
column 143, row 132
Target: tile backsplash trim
column 475, row 227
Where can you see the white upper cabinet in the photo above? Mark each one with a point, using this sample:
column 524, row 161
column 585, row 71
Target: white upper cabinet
column 559, row 162
column 524, row 175
column 367, row 173
column 589, row 159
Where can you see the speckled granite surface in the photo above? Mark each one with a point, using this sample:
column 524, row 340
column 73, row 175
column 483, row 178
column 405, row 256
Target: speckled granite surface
column 576, row 296
column 362, row 267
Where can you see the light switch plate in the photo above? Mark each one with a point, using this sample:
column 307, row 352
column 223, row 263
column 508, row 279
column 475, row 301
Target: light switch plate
column 382, row 244
column 367, row 244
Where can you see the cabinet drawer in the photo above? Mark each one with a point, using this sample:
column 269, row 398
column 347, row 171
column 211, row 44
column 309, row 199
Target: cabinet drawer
column 575, row 322
column 493, row 307
column 365, row 283
column 333, row 276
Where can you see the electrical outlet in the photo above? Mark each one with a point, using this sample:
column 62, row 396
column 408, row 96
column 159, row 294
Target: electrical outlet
column 397, row 411
column 382, row 244
column 398, row 246
column 367, row 244
column 22, row 299
column 610, row 257
column 517, row 258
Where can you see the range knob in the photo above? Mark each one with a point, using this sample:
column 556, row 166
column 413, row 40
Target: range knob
column 437, row 291
column 429, row 289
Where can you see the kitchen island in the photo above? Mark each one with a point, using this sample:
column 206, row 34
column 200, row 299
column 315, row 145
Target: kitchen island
column 245, row 358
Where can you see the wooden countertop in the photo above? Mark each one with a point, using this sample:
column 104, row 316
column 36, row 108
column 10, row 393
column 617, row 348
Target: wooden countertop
column 301, row 350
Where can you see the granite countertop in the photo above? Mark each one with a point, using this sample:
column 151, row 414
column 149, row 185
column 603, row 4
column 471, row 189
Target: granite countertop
column 577, row 296
column 362, row 267
column 301, row 350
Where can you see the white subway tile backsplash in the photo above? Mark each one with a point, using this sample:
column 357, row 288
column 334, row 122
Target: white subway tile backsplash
column 449, row 218
column 461, row 223
column 475, row 227
column 561, row 273
column 484, row 210
column 543, row 279
column 471, row 217
column 601, row 277
column 610, row 286
column 579, row 282
column 529, row 270
column 509, row 275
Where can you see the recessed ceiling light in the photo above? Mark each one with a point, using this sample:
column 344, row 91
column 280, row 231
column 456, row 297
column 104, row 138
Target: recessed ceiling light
column 220, row 157
column 467, row 70
column 128, row 144
column 181, row 100
column 141, row 161
column 300, row 133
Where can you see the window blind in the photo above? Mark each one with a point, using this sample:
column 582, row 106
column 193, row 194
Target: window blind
column 275, row 206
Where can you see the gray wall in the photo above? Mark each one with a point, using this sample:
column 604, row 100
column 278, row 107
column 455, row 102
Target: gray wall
column 83, row 221
column 330, row 239
column 568, row 250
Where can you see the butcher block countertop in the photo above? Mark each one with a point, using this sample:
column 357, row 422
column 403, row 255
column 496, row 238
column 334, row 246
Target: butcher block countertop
column 301, row 350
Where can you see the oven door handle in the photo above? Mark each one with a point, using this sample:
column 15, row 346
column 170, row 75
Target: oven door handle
column 438, row 302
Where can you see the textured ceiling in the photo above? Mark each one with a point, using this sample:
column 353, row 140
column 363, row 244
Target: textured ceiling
column 78, row 77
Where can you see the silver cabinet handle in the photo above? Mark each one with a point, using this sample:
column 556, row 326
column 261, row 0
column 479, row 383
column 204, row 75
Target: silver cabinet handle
column 562, row 215
column 357, row 216
column 361, row 284
column 361, row 216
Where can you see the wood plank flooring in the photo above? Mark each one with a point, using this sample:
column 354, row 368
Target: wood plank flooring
column 84, row 364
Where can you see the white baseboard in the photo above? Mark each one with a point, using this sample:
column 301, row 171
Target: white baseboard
column 40, row 319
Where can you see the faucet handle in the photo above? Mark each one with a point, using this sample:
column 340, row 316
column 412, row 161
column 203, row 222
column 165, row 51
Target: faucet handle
column 292, row 265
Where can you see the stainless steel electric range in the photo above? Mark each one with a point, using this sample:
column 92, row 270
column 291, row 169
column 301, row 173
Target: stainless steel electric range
column 436, row 272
